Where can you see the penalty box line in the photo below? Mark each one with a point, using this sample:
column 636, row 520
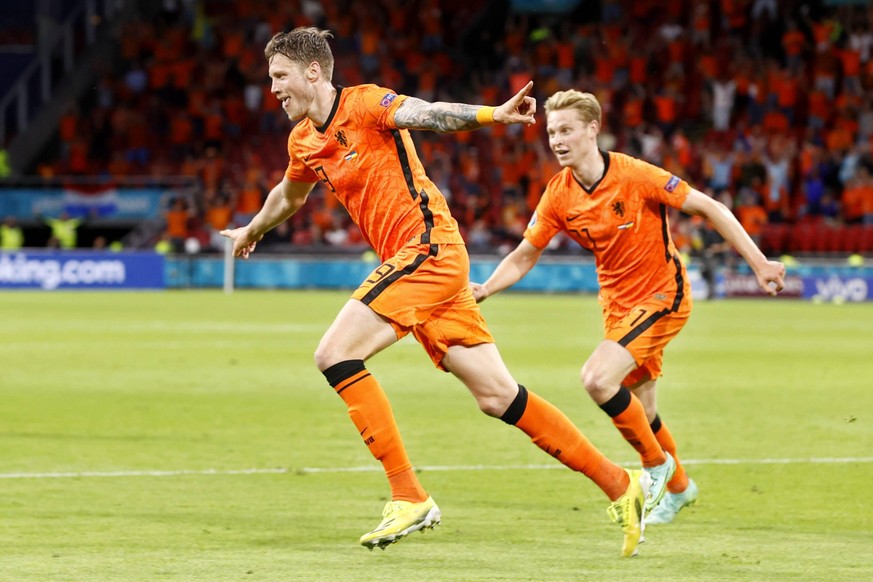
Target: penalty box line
column 376, row 468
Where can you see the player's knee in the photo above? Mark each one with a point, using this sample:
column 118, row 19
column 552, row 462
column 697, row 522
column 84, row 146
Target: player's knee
column 494, row 404
column 593, row 379
column 325, row 356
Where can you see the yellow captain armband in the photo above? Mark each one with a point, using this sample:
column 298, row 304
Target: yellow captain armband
column 485, row 115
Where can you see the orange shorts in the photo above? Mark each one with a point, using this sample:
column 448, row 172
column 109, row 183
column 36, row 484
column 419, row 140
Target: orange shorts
column 645, row 331
column 425, row 289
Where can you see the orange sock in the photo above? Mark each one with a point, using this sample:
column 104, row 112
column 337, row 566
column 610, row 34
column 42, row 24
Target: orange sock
column 629, row 417
column 371, row 412
column 679, row 482
column 553, row 432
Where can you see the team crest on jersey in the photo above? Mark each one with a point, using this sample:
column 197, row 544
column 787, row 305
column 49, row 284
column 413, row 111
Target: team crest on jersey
column 618, row 208
column 341, row 138
column 388, row 99
column 533, row 220
column 671, row 184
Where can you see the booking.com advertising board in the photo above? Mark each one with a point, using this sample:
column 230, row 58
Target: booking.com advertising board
column 50, row 271
column 55, row 270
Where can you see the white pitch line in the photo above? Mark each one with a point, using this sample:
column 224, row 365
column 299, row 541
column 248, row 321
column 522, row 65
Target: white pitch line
column 811, row 460
column 376, row 468
column 181, row 472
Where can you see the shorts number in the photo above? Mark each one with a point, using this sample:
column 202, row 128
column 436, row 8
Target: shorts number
column 381, row 272
column 639, row 317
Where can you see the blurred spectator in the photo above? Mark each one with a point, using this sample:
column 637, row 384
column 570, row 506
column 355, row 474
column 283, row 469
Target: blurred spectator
column 336, row 235
column 711, row 249
column 251, row 198
column 776, row 199
column 858, row 198
column 794, row 44
column 5, row 166
column 719, row 168
column 63, row 230
column 219, row 215
column 723, row 94
column 813, row 192
column 164, row 245
column 177, row 218
column 11, row 235
column 751, row 215
column 829, row 208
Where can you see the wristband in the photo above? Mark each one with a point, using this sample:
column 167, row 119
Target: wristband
column 485, row 115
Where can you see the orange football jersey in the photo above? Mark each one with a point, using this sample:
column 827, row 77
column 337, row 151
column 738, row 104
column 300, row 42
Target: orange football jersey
column 622, row 219
column 373, row 169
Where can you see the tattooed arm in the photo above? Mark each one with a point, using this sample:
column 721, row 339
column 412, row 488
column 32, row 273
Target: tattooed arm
column 444, row 117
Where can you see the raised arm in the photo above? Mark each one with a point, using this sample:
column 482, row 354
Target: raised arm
column 510, row 271
column 444, row 117
column 282, row 202
column 728, row 226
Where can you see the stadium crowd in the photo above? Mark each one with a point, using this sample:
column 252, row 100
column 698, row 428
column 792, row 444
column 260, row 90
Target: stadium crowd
column 766, row 105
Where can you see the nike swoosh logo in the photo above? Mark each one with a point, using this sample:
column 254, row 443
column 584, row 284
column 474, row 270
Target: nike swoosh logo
column 363, row 429
column 572, row 218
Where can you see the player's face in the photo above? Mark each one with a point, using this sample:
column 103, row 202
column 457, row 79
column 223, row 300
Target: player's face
column 291, row 87
column 570, row 138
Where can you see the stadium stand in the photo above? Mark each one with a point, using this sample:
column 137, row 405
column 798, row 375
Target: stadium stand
column 765, row 104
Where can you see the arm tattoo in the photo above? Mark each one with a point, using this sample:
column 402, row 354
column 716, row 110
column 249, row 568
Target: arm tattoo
column 442, row 117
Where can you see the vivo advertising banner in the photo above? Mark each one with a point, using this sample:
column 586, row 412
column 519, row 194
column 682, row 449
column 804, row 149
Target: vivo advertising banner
column 838, row 288
column 825, row 287
column 81, row 270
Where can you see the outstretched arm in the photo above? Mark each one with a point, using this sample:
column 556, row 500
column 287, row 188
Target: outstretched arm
column 510, row 271
column 728, row 226
column 282, row 202
column 444, row 117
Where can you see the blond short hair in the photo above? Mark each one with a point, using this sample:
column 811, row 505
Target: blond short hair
column 305, row 44
column 585, row 104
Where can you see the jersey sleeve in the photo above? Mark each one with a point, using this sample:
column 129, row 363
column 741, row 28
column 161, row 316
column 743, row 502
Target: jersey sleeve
column 297, row 170
column 544, row 223
column 660, row 185
column 378, row 105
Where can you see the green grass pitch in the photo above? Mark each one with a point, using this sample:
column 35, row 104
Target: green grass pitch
column 115, row 407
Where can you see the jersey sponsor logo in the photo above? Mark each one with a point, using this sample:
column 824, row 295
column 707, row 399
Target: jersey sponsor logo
column 388, row 99
column 671, row 184
column 533, row 220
